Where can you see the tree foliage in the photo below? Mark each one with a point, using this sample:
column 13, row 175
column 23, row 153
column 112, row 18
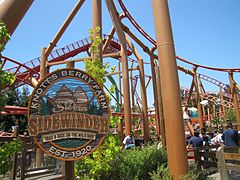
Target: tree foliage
column 138, row 163
column 6, row 78
column 95, row 67
column 4, row 35
column 15, row 97
column 99, row 161
column 7, row 150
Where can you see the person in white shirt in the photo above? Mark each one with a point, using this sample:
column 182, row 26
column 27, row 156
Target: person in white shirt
column 129, row 141
column 217, row 139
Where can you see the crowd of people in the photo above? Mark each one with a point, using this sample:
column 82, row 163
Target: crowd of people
column 228, row 137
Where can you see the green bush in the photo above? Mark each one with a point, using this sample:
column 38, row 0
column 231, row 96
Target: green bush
column 230, row 116
column 7, row 150
column 127, row 164
column 98, row 162
column 161, row 173
column 137, row 163
column 194, row 174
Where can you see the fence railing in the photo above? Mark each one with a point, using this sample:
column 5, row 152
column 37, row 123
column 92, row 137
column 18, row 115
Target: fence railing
column 224, row 159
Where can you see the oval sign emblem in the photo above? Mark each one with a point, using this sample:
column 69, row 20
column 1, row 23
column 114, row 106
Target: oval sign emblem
column 68, row 114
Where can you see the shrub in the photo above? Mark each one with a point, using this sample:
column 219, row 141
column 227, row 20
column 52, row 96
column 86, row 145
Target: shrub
column 194, row 174
column 98, row 162
column 161, row 173
column 7, row 150
column 127, row 164
column 137, row 163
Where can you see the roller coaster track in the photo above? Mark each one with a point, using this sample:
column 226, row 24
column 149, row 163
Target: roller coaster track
column 31, row 68
column 135, row 79
column 217, row 83
column 205, row 96
column 16, row 110
column 211, row 80
column 22, row 72
column 5, row 134
column 214, row 99
column 135, row 24
column 150, row 39
column 210, row 97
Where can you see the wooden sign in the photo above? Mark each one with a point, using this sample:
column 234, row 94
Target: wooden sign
column 68, row 114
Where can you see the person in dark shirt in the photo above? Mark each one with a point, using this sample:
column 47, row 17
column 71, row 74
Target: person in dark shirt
column 230, row 136
column 195, row 142
column 206, row 138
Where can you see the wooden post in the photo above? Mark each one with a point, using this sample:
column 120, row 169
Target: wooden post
column 64, row 26
column 12, row 12
column 235, row 99
column 125, row 76
column 43, row 73
column 142, row 90
column 208, row 113
column 160, row 106
column 221, row 97
column 172, row 109
column 155, row 93
column 222, row 165
column 68, row 166
column 144, row 100
column 199, row 106
column 14, row 157
column 23, row 161
column 132, row 89
column 97, row 22
column 120, row 124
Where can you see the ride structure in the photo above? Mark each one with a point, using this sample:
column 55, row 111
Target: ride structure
column 131, row 106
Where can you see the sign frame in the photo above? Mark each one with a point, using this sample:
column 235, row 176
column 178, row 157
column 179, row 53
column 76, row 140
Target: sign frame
column 100, row 123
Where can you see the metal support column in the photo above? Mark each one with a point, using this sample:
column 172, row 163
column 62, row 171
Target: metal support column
column 64, row 26
column 199, row 106
column 68, row 166
column 155, row 95
column 43, row 73
column 144, row 100
column 174, row 125
column 221, row 97
column 125, row 76
column 12, row 12
column 120, row 124
column 235, row 99
column 142, row 89
column 13, row 172
column 160, row 105
column 97, row 21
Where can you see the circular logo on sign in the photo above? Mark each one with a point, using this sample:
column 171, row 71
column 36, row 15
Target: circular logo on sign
column 68, row 114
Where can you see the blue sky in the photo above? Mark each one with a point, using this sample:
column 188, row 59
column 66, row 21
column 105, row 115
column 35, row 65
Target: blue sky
column 205, row 32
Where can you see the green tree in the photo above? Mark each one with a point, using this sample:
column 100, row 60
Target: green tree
column 7, row 150
column 15, row 97
column 6, row 79
column 95, row 67
column 24, row 96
